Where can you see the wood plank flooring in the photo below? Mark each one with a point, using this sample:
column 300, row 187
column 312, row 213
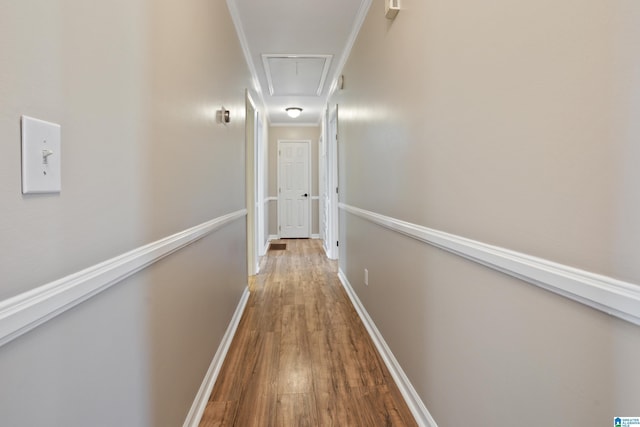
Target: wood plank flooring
column 301, row 356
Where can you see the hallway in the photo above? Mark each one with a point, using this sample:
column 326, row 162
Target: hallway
column 301, row 356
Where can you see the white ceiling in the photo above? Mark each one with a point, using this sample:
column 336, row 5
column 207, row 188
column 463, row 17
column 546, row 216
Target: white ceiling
column 296, row 50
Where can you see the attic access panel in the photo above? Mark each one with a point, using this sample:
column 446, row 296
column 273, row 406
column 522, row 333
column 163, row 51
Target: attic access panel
column 297, row 75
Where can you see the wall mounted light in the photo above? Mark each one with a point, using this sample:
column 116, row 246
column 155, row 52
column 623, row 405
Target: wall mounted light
column 293, row 112
column 391, row 8
column 223, row 116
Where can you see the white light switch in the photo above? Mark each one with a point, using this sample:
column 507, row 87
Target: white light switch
column 40, row 156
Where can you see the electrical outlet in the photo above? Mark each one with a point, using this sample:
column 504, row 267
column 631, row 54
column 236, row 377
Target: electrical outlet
column 366, row 277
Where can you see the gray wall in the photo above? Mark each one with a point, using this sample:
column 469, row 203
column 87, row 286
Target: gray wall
column 135, row 86
column 276, row 133
column 514, row 124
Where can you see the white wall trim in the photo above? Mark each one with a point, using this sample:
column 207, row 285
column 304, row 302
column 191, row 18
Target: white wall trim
column 273, row 237
column 200, row 403
column 315, row 236
column 30, row 309
column 417, row 407
column 315, row 197
column 358, row 22
column 612, row 296
column 326, row 250
column 244, row 44
column 295, row 125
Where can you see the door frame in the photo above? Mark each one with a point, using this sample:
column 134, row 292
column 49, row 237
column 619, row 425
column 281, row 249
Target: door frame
column 309, row 168
column 322, row 185
column 332, row 242
column 261, row 180
column 251, row 179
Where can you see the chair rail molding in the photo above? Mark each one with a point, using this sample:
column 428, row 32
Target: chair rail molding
column 612, row 296
column 23, row 312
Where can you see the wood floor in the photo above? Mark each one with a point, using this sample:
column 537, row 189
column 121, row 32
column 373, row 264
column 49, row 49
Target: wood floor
column 301, row 356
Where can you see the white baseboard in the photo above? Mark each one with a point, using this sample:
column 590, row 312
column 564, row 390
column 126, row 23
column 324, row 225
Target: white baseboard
column 200, row 403
column 417, row 407
column 315, row 236
column 327, row 251
column 271, row 238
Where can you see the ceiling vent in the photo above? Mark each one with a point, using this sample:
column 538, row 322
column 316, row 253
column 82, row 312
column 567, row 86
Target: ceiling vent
column 296, row 75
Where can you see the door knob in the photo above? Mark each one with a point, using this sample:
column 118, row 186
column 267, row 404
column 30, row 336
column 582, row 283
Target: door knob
column 305, row 195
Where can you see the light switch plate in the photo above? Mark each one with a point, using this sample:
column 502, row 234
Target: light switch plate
column 40, row 156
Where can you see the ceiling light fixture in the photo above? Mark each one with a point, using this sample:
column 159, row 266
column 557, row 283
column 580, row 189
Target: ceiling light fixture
column 293, row 112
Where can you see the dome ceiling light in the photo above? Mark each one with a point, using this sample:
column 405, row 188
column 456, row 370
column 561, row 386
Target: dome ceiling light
column 293, row 112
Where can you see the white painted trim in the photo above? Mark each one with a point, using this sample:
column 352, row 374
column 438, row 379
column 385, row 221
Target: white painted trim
column 200, row 403
column 326, row 251
column 360, row 17
column 271, row 199
column 251, row 184
column 612, row 296
column 323, row 77
column 273, row 237
column 30, row 309
column 417, row 407
column 315, row 197
column 315, row 236
column 295, row 125
column 237, row 23
column 333, row 219
column 261, row 178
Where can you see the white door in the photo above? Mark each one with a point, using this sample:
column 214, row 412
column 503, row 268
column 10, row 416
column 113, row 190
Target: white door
column 294, row 197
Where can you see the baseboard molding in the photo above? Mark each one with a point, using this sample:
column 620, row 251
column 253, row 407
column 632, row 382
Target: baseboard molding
column 315, row 236
column 200, row 403
column 612, row 296
column 271, row 238
column 417, row 407
column 30, row 309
